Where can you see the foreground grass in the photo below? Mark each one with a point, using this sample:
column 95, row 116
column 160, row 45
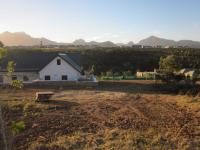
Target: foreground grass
column 115, row 139
column 103, row 119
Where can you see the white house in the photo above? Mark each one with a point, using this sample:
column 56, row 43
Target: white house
column 42, row 66
column 188, row 73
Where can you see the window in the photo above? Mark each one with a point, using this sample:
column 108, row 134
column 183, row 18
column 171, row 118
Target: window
column 25, row 78
column 64, row 77
column 58, row 62
column 14, row 77
column 47, row 78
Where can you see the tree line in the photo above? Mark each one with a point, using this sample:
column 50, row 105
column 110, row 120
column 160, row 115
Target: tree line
column 119, row 60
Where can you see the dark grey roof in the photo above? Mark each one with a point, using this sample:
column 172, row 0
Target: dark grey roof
column 70, row 60
column 35, row 61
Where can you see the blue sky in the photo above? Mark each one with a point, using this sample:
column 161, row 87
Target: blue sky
column 102, row 20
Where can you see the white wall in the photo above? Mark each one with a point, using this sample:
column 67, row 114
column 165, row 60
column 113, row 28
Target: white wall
column 56, row 71
column 8, row 78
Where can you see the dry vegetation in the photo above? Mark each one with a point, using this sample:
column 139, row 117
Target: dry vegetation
column 114, row 116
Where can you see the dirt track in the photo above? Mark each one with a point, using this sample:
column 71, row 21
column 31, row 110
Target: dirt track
column 94, row 111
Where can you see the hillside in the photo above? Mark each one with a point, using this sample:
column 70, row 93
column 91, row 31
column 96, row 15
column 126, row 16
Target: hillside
column 93, row 43
column 22, row 39
column 155, row 41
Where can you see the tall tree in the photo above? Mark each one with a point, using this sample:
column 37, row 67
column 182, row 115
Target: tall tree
column 168, row 64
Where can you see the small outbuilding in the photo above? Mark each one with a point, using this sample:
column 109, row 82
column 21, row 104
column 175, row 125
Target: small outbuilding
column 188, row 72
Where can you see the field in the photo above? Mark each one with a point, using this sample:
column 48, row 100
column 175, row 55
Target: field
column 116, row 115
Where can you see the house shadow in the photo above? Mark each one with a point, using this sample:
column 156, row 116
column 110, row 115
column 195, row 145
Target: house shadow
column 131, row 87
column 136, row 88
column 149, row 87
column 128, row 87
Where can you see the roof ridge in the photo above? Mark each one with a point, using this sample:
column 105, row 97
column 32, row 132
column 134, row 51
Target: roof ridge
column 71, row 62
column 37, row 60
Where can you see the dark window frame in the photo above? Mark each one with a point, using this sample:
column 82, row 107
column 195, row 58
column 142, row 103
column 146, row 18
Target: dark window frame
column 58, row 62
column 25, row 78
column 47, row 77
column 64, row 77
column 14, row 77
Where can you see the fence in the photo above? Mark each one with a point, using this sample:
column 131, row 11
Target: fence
column 125, row 78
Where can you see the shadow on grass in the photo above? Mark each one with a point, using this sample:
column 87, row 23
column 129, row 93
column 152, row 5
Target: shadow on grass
column 60, row 104
column 142, row 86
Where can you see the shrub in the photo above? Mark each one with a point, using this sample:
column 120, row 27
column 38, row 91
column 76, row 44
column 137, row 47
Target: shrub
column 127, row 73
column 17, row 84
column 116, row 74
column 26, row 108
column 103, row 74
column 109, row 73
column 18, row 127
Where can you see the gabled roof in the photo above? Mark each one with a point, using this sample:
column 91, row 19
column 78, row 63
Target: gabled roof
column 187, row 70
column 35, row 61
column 70, row 60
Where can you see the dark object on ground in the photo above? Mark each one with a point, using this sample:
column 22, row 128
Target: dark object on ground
column 43, row 96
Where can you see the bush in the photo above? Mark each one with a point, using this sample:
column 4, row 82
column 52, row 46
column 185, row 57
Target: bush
column 18, row 127
column 103, row 73
column 109, row 73
column 127, row 73
column 17, row 84
column 27, row 107
column 116, row 74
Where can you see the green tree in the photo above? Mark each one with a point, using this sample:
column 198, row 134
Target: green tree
column 14, row 83
column 167, row 68
column 168, row 64
column 10, row 67
column 179, row 59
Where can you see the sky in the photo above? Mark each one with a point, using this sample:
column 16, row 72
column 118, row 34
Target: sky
column 102, row 20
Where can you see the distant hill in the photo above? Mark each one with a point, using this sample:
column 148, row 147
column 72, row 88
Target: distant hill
column 189, row 43
column 107, row 44
column 79, row 42
column 93, row 43
column 156, row 41
column 22, row 39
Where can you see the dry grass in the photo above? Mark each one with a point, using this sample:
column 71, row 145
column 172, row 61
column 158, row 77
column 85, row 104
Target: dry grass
column 104, row 119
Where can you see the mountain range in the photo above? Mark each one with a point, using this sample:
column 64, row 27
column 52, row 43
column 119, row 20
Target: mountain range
column 156, row 41
column 23, row 39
